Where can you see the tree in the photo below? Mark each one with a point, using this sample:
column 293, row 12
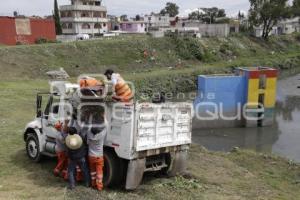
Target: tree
column 57, row 19
column 171, row 8
column 241, row 15
column 208, row 15
column 137, row 18
column 124, row 18
column 16, row 13
column 267, row 13
column 221, row 13
column 196, row 15
column 296, row 8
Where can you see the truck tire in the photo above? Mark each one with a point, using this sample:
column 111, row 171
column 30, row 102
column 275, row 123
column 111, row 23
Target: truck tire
column 168, row 159
column 33, row 147
column 114, row 168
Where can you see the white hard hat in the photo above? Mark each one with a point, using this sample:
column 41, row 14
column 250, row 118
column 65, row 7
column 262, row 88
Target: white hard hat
column 74, row 142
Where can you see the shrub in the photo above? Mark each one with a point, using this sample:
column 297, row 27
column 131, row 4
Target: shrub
column 41, row 40
column 298, row 37
column 188, row 48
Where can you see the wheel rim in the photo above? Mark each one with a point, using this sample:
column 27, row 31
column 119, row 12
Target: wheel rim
column 32, row 149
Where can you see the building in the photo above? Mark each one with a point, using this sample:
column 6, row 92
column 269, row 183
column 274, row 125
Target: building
column 22, row 30
column 113, row 23
column 133, row 27
column 84, row 17
column 283, row 27
column 289, row 26
column 156, row 21
column 214, row 30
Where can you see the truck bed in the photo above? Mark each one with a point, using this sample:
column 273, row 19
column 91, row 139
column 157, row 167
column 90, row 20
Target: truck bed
column 138, row 127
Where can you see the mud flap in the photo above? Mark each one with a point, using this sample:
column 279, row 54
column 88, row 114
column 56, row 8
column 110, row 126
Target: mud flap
column 135, row 173
column 178, row 163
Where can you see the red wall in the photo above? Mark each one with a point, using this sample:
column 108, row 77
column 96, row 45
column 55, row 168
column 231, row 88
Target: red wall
column 40, row 28
column 7, row 31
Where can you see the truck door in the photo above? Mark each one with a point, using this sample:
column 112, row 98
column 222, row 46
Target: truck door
column 50, row 117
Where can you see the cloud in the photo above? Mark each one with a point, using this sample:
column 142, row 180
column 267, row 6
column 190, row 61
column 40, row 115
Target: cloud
column 118, row 7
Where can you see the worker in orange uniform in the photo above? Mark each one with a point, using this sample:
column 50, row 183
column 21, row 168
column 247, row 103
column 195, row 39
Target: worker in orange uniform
column 89, row 82
column 61, row 151
column 95, row 140
column 123, row 92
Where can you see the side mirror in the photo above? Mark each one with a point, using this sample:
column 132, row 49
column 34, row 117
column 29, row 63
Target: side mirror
column 39, row 106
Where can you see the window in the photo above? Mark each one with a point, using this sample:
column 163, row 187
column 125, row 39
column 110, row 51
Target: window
column 69, row 14
column 64, row 26
column 97, row 26
column 97, row 14
column 85, row 14
column 142, row 25
column 97, row 3
column 62, row 14
column 70, row 26
column 86, row 26
column 104, row 24
column 55, row 109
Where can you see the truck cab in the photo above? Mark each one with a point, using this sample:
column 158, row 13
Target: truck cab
column 141, row 137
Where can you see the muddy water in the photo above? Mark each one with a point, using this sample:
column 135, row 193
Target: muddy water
column 283, row 138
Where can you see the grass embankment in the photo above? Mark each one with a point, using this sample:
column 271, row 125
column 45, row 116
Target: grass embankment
column 238, row 175
column 173, row 66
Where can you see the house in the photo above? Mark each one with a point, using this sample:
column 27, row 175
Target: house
column 113, row 23
column 84, row 17
column 155, row 21
column 289, row 26
column 25, row 30
column 133, row 27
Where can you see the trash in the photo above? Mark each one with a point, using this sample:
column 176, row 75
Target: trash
column 58, row 75
column 235, row 149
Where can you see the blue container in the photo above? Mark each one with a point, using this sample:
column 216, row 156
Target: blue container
column 225, row 91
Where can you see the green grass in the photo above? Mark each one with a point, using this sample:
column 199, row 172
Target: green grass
column 125, row 54
column 239, row 175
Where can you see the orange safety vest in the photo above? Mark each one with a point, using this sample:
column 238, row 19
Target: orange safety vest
column 123, row 91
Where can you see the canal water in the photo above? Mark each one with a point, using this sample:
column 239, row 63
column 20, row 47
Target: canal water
column 283, row 138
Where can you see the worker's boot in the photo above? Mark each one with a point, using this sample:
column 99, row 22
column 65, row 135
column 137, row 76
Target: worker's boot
column 71, row 187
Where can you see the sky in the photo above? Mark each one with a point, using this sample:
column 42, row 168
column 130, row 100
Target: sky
column 119, row 7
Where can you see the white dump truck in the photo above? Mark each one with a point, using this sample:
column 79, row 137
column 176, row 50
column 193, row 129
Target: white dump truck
column 141, row 137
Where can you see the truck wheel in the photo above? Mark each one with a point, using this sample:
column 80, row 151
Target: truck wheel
column 33, row 148
column 113, row 169
column 168, row 160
